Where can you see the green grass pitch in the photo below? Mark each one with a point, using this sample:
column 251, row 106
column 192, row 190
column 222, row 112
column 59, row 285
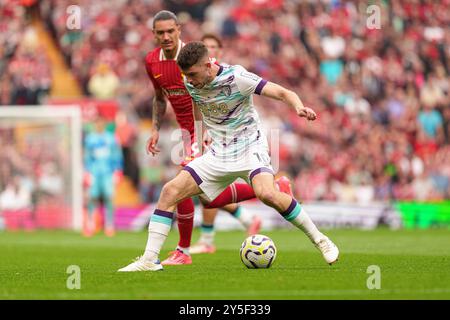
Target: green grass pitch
column 413, row 264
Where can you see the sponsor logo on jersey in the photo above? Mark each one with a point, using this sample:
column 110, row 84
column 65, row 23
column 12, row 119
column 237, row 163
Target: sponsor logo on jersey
column 175, row 92
column 250, row 75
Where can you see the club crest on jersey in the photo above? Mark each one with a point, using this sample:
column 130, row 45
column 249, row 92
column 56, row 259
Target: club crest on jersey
column 229, row 80
column 226, row 90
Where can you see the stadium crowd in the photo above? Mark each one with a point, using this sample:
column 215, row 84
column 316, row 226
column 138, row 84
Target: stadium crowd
column 25, row 72
column 381, row 94
column 31, row 179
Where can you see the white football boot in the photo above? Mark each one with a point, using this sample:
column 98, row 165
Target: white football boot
column 330, row 251
column 140, row 264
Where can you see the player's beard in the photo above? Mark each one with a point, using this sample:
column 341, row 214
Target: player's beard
column 170, row 52
column 208, row 79
column 203, row 83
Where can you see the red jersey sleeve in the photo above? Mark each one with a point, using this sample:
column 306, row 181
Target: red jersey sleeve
column 148, row 68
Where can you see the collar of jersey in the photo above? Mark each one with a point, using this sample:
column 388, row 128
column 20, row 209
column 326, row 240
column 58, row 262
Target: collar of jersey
column 216, row 77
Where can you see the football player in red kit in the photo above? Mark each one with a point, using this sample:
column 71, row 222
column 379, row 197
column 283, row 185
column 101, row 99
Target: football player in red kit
column 166, row 78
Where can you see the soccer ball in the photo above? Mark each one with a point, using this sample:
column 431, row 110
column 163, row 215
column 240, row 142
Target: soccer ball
column 258, row 251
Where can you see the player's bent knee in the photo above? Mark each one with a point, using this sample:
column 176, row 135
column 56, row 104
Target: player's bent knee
column 169, row 193
column 258, row 191
column 267, row 196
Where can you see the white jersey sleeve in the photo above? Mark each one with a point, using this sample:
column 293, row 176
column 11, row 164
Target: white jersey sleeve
column 247, row 82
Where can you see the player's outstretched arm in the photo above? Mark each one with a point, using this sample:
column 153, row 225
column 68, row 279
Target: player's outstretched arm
column 159, row 109
column 277, row 92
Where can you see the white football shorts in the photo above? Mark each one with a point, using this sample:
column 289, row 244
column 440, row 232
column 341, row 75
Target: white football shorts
column 213, row 175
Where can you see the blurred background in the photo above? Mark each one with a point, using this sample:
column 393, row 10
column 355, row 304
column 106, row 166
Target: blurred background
column 378, row 154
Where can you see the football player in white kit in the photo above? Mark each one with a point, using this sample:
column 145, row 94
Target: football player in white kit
column 222, row 97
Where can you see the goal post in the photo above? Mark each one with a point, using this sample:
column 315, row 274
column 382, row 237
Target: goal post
column 46, row 143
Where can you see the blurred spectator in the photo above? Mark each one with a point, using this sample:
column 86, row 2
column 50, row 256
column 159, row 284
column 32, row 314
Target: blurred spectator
column 430, row 122
column 16, row 196
column 103, row 83
column 12, row 26
column 126, row 134
column 16, row 205
column 50, row 181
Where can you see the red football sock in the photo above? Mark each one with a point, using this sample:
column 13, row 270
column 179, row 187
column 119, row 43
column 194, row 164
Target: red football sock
column 185, row 221
column 234, row 193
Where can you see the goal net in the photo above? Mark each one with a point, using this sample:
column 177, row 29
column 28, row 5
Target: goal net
column 41, row 167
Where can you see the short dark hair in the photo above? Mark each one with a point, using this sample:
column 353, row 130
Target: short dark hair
column 164, row 15
column 214, row 37
column 191, row 53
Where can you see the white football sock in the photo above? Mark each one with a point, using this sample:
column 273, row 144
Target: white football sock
column 158, row 229
column 184, row 250
column 207, row 234
column 207, row 238
column 299, row 218
column 304, row 222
